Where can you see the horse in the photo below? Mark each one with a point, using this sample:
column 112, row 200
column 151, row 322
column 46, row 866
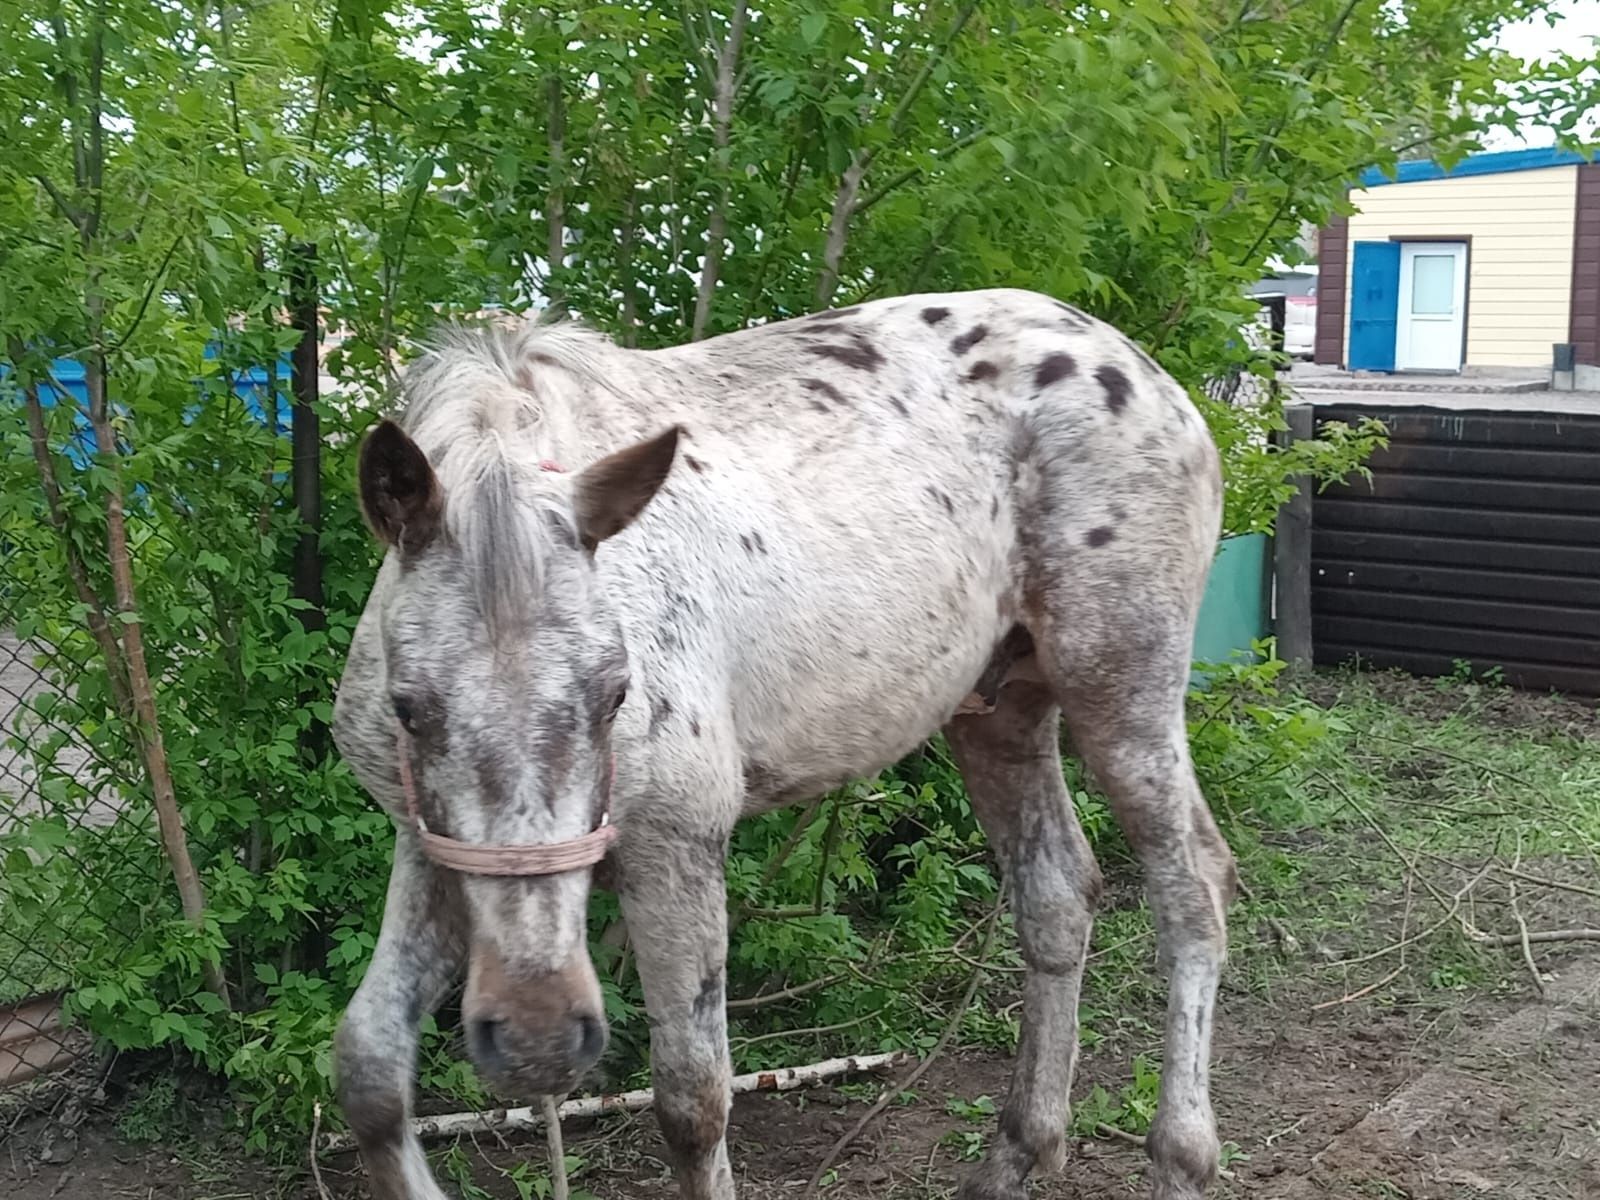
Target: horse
column 629, row 597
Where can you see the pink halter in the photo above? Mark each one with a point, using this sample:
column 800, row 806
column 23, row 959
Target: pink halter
column 552, row 858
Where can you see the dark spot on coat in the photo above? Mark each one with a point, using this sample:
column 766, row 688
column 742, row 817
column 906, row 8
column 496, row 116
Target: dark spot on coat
column 1054, row 367
column 744, row 540
column 695, row 464
column 900, row 406
column 820, row 406
column 761, row 783
column 761, row 547
column 943, row 498
column 961, row 343
column 1099, row 536
column 694, row 726
column 708, row 1000
column 1116, row 386
column 982, row 370
column 660, row 710
column 1014, row 1124
column 934, row 315
column 693, row 1121
column 994, row 508
column 1075, row 318
column 823, row 387
column 860, row 353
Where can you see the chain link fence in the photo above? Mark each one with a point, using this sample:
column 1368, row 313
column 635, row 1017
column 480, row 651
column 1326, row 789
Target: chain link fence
column 83, row 873
column 70, row 802
column 1256, row 381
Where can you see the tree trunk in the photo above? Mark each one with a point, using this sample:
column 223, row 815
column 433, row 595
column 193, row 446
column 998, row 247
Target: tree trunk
column 722, row 120
column 94, row 613
column 147, row 722
column 555, row 209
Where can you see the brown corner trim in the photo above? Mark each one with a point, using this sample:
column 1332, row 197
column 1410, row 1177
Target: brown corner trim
column 1584, row 329
column 1333, row 258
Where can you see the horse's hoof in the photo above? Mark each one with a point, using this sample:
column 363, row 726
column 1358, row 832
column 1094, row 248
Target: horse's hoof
column 983, row 1184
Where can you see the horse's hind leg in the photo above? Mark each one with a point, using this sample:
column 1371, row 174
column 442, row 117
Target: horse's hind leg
column 1123, row 696
column 1011, row 761
column 418, row 957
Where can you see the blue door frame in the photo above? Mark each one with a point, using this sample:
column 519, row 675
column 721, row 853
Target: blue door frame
column 1374, row 305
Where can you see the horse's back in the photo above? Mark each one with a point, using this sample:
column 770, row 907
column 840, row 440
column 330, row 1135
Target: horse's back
column 875, row 498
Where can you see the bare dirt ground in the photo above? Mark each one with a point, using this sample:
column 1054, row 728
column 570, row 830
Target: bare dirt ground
column 1492, row 1095
column 1422, row 1068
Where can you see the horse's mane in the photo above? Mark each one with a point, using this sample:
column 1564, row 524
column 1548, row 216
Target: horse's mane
column 487, row 404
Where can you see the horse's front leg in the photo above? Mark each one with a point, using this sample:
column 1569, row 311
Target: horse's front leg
column 675, row 905
column 419, row 955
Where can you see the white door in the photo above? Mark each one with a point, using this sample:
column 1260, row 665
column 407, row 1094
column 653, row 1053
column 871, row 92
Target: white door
column 1433, row 306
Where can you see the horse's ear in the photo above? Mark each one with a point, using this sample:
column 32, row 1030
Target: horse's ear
column 400, row 495
column 609, row 494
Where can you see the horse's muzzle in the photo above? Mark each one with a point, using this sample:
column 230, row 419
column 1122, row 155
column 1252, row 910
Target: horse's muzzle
column 532, row 1034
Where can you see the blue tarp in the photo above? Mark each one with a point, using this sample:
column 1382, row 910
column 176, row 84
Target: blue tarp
column 249, row 384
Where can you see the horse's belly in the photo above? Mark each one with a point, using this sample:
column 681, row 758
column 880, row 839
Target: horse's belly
column 846, row 697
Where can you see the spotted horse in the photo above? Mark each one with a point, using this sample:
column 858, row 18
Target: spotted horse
column 632, row 596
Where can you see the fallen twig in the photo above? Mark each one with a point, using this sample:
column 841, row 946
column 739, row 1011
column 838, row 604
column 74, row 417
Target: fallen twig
column 950, row 1028
column 1538, row 937
column 1285, row 1131
column 783, row 1079
column 1450, row 915
column 788, row 993
column 1359, row 993
column 553, row 1146
column 813, row 1030
column 1522, row 926
column 1288, row 944
column 1452, row 905
column 1541, row 881
column 311, row 1152
column 1121, row 1135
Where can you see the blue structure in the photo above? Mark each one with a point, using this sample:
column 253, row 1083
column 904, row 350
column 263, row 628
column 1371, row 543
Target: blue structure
column 250, row 385
column 1374, row 305
column 1495, row 163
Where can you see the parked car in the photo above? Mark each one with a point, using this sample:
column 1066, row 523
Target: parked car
column 1300, row 324
column 1297, row 288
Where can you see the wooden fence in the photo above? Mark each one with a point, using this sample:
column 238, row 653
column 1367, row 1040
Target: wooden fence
column 1477, row 542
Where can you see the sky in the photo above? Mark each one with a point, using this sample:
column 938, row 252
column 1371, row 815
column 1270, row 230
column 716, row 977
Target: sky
column 1538, row 39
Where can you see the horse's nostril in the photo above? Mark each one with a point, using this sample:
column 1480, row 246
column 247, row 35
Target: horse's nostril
column 591, row 1038
column 484, row 1043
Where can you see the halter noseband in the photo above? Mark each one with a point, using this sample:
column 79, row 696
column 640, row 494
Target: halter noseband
column 551, row 858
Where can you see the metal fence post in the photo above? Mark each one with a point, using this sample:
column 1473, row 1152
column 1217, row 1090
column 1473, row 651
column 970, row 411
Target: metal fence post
column 306, row 435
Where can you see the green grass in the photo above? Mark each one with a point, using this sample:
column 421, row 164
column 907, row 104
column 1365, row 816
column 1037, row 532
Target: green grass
column 1377, row 821
column 1426, row 814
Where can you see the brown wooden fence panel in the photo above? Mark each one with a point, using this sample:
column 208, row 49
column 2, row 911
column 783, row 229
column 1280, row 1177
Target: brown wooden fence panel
column 1476, row 541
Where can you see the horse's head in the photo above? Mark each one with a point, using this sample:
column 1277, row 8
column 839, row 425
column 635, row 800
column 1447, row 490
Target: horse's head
column 506, row 667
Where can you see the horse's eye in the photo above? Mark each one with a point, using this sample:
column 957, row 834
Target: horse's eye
column 403, row 712
column 616, row 705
